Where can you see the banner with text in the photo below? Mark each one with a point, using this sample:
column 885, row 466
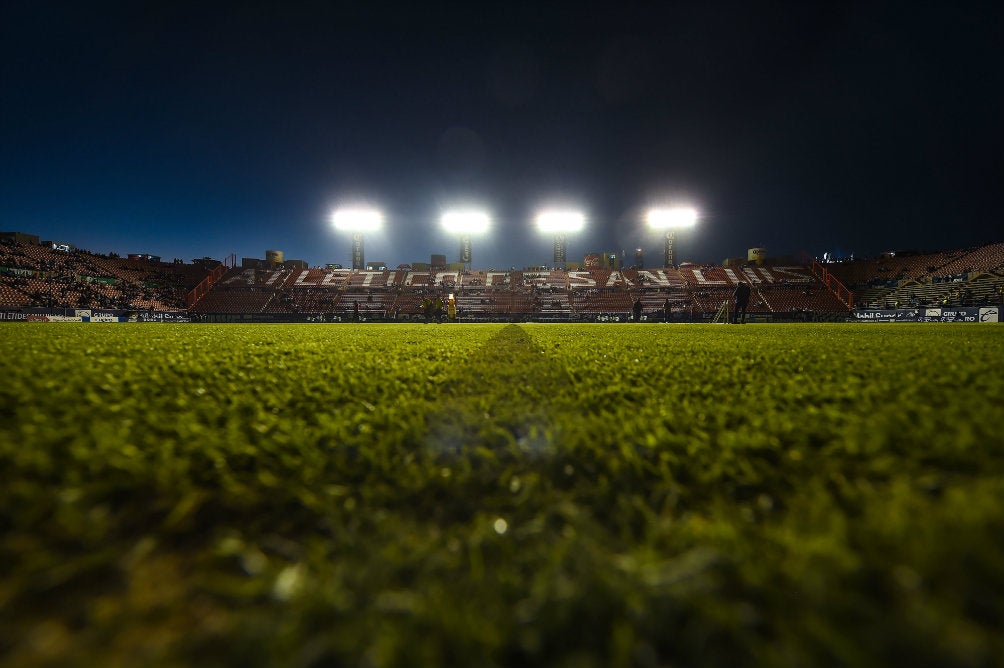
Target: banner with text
column 89, row 315
column 940, row 314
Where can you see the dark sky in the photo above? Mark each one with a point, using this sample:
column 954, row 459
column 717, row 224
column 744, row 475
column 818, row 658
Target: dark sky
column 190, row 129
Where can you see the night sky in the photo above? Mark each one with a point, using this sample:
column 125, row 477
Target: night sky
column 190, row 129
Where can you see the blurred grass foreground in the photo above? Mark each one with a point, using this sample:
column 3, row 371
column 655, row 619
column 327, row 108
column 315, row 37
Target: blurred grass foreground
column 490, row 495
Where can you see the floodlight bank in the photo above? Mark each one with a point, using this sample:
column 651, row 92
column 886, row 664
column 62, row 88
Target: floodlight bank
column 560, row 221
column 357, row 220
column 465, row 222
column 668, row 218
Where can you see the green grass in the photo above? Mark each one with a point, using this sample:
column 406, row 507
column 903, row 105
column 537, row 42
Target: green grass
column 560, row 495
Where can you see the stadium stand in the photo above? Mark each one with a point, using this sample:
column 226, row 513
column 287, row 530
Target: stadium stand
column 36, row 275
column 692, row 293
column 39, row 276
column 966, row 277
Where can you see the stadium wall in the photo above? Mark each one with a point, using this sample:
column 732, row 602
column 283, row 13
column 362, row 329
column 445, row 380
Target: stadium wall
column 89, row 315
column 941, row 314
column 956, row 314
column 677, row 317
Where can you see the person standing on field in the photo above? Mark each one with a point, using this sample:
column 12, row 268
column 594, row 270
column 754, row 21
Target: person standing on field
column 438, row 308
column 742, row 300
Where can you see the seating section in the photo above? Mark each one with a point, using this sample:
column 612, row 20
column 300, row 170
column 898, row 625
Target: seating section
column 553, row 303
column 794, row 298
column 966, row 277
column 254, row 300
column 12, row 296
column 554, row 278
column 372, row 303
column 32, row 275
column 602, row 301
column 985, row 258
column 484, row 304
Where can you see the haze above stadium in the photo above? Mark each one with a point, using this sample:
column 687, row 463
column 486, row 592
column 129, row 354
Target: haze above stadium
column 184, row 130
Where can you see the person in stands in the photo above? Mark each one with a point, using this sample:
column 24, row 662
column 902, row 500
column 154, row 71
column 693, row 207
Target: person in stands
column 636, row 308
column 742, row 300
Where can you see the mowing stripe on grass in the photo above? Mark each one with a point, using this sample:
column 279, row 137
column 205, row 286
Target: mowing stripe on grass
column 518, row 413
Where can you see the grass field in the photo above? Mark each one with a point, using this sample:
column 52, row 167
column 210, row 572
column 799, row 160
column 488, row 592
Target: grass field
column 478, row 495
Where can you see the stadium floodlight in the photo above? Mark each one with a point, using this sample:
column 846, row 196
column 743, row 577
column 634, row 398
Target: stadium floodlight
column 357, row 220
column 560, row 223
column 466, row 223
column 671, row 220
column 662, row 219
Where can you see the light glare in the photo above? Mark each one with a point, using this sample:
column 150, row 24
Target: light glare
column 357, row 220
column 669, row 218
column 560, row 221
column 465, row 222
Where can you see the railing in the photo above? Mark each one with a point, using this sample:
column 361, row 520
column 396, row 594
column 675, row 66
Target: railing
column 833, row 283
column 200, row 290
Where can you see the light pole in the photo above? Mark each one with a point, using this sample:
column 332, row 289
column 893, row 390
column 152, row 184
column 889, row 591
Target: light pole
column 671, row 220
column 357, row 221
column 560, row 223
column 465, row 223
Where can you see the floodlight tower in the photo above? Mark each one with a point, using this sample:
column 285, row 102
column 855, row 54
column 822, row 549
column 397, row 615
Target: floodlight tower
column 671, row 220
column 465, row 223
column 357, row 221
column 560, row 224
